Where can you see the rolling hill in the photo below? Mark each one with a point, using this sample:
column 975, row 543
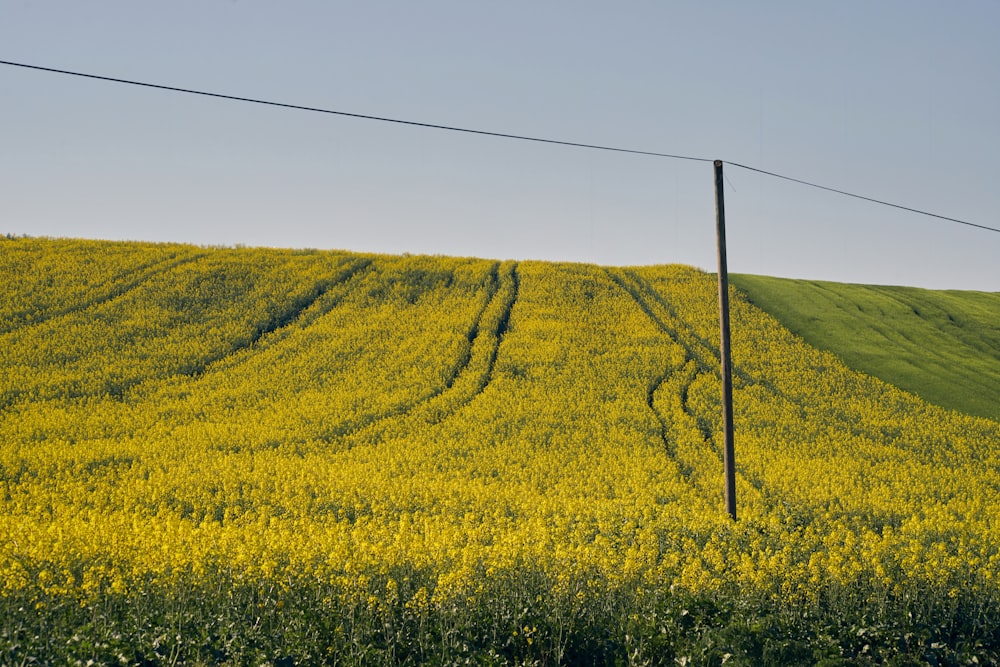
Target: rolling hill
column 233, row 455
column 943, row 346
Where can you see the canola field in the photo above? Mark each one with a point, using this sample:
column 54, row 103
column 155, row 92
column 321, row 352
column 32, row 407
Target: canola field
column 259, row 456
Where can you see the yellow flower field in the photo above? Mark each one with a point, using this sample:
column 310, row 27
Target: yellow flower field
column 395, row 459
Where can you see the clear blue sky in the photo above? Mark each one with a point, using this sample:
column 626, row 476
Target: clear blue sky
column 898, row 100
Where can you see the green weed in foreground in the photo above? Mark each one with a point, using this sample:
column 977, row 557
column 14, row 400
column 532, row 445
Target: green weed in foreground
column 513, row 619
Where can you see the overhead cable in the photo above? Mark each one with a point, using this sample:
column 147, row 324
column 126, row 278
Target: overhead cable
column 399, row 121
column 502, row 135
column 856, row 196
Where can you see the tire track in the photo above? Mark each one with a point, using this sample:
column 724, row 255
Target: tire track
column 469, row 379
column 696, row 346
column 475, row 329
column 697, row 437
column 373, row 427
column 678, row 379
column 503, row 325
column 504, row 300
column 297, row 312
column 655, row 386
column 146, row 272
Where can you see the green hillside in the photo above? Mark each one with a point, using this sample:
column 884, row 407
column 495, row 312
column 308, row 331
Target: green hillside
column 943, row 346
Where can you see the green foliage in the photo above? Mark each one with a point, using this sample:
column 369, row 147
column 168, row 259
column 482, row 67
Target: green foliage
column 943, row 346
column 219, row 618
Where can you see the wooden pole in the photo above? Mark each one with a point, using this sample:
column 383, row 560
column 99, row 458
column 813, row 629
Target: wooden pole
column 728, row 455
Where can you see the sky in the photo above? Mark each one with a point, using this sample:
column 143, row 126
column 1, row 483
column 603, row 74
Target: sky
column 897, row 100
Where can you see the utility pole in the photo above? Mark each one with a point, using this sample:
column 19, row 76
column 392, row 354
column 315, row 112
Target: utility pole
column 728, row 455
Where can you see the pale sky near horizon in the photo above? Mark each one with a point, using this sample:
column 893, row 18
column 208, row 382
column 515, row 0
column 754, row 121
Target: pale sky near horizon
column 897, row 100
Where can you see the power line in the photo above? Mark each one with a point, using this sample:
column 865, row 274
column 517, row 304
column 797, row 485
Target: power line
column 502, row 135
column 856, row 196
column 399, row 121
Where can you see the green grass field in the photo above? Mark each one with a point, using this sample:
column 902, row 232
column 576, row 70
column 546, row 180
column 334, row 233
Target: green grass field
column 943, row 346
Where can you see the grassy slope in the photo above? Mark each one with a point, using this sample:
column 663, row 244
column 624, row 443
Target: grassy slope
column 943, row 346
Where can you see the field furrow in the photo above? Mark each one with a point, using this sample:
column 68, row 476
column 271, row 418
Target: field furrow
column 471, row 377
column 120, row 287
column 302, row 310
column 365, row 326
column 43, row 283
column 191, row 311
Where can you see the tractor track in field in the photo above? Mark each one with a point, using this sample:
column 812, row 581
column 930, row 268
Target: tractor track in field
column 144, row 271
column 440, row 404
column 295, row 313
column 502, row 327
column 698, row 349
column 645, row 297
column 474, row 330
column 668, row 446
column 696, row 364
column 496, row 334
column 628, row 284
